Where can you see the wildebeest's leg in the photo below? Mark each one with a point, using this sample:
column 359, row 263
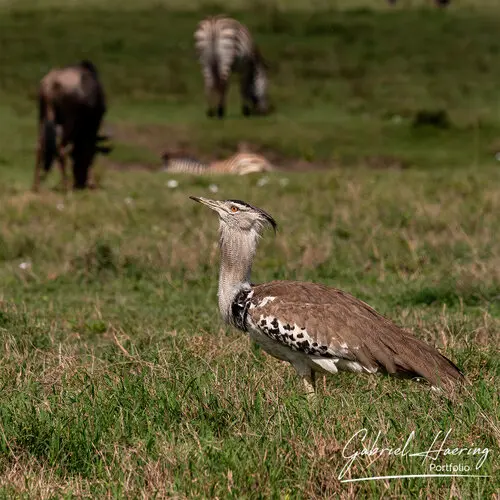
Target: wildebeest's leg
column 91, row 182
column 84, row 150
column 80, row 174
column 63, row 154
column 40, row 143
column 81, row 164
column 38, row 160
column 64, row 149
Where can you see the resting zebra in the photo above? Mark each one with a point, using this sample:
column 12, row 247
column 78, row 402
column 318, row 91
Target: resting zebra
column 238, row 164
column 225, row 45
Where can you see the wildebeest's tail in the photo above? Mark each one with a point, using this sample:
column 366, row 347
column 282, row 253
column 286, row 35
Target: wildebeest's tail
column 48, row 133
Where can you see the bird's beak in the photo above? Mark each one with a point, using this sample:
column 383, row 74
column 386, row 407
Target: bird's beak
column 213, row 204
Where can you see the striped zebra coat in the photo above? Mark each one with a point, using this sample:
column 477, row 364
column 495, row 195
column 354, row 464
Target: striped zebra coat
column 238, row 164
column 225, row 45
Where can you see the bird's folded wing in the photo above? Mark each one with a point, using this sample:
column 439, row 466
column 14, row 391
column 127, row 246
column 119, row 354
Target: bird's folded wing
column 311, row 329
column 327, row 322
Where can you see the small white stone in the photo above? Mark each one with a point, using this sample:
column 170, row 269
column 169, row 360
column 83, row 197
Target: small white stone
column 262, row 181
column 172, row 184
column 284, row 182
column 60, row 206
column 25, row 265
column 213, row 188
column 497, row 156
column 129, row 201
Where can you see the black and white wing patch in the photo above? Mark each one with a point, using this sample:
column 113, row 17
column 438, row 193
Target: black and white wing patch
column 296, row 338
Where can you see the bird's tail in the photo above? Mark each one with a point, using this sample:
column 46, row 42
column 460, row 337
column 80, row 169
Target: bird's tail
column 423, row 360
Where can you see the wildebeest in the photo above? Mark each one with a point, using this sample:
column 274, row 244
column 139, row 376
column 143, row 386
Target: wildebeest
column 72, row 104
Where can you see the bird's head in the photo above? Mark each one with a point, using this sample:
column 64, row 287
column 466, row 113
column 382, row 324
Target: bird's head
column 236, row 215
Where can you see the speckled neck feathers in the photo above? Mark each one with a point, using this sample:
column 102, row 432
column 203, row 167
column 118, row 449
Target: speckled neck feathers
column 237, row 253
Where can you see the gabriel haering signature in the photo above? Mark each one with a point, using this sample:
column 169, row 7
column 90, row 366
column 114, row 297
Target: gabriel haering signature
column 360, row 446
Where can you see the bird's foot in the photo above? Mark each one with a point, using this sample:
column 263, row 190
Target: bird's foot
column 310, row 389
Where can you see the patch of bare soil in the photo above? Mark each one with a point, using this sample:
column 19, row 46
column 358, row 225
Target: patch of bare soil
column 385, row 162
column 177, row 141
column 127, row 167
column 152, row 137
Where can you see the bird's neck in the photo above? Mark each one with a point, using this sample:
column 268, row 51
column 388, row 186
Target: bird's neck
column 237, row 253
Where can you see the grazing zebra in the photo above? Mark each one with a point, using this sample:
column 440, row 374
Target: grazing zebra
column 225, row 45
column 238, row 164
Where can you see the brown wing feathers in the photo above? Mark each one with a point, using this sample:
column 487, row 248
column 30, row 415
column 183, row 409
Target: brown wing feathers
column 349, row 326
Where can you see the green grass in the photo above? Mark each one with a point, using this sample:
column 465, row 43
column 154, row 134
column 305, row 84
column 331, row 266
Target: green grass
column 117, row 376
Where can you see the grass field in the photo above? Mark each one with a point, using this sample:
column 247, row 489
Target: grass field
column 117, row 377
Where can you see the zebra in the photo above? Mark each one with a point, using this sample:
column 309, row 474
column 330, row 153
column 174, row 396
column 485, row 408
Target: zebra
column 225, row 45
column 238, row 164
column 183, row 165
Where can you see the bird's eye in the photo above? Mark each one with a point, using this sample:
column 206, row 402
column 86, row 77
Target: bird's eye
column 234, row 209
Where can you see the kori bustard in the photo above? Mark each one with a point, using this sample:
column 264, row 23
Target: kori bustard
column 314, row 327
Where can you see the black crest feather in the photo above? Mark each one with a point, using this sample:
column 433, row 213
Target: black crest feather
column 266, row 216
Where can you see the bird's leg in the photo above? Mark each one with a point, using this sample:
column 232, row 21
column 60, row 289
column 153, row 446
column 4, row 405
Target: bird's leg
column 310, row 385
column 308, row 378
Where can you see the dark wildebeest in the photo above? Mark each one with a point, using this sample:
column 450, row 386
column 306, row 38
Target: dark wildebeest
column 72, row 104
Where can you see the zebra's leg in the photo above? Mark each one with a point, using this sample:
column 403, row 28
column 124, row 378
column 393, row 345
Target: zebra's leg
column 211, row 110
column 246, row 93
column 222, row 95
column 210, row 90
